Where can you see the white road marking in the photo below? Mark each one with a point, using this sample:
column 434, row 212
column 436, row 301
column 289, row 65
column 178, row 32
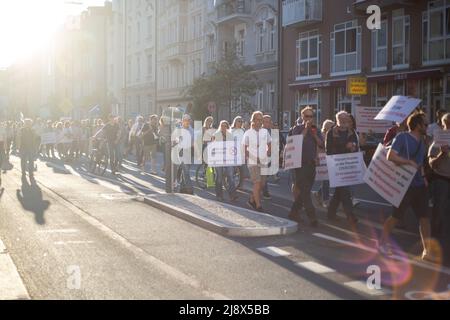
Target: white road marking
column 344, row 242
column 362, row 287
column 139, row 252
column 11, row 284
column 315, row 267
column 61, row 243
column 424, row 265
column 58, row 231
column 274, row 252
column 384, row 204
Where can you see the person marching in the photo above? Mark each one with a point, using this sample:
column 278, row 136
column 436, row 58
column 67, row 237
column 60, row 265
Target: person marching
column 305, row 176
column 408, row 148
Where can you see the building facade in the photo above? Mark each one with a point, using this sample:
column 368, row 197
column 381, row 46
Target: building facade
column 324, row 42
column 251, row 28
column 131, row 57
column 180, row 50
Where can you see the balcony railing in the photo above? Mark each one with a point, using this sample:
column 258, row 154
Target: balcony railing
column 231, row 9
column 297, row 12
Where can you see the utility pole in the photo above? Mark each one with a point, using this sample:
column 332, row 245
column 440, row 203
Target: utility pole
column 125, row 27
column 280, row 65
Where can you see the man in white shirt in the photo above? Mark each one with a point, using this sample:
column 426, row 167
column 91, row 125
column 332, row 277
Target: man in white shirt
column 257, row 144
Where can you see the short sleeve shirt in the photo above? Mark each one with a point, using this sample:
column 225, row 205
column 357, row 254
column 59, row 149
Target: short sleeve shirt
column 408, row 147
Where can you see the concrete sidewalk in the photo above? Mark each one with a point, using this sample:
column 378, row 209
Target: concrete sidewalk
column 222, row 218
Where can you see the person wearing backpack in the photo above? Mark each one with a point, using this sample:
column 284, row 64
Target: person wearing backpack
column 409, row 148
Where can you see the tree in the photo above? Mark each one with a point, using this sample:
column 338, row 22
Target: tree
column 230, row 83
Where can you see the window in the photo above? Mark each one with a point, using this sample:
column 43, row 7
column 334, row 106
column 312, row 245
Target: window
column 241, row 43
column 346, row 48
column 436, row 32
column 308, row 55
column 379, row 48
column 149, row 67
column 150, row 27
column 271, row 95
column 260, row 38
column 400, row 41
column 211, row 48
column 272, row 34
column 260, row 99
column 138, row 68
column 138, row 33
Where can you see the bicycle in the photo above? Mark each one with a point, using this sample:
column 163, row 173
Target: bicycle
column 99, row 157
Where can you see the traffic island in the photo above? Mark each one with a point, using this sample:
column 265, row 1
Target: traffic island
column 222, row 218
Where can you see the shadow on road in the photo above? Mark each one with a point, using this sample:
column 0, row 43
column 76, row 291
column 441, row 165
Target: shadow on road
column 30, row 197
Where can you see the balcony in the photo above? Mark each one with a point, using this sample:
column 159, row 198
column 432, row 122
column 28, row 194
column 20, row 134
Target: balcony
column 297, row 13
column 232, row 11
column 175, row 51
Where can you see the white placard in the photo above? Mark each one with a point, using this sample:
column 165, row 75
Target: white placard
column 387, row 179
column 48, row 138
column 366, row 123
column 441, row 137
column 224, row 154
column 62, row 138
column 346, row 169
column 293, row 152
column 322, row 169
column 398, row 109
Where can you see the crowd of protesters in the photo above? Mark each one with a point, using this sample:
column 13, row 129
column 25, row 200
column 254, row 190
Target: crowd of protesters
column 410, row 143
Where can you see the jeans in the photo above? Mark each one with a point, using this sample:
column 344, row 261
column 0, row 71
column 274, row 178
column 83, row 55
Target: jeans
column 27, row 159
column 441, row 213
column 119, row 153
column 186, row 174
column 228, row 173
column 341, row 195
column 304, row 181
column 112, row 150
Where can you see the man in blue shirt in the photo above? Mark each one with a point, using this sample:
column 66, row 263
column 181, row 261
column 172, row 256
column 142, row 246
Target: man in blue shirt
column 408, row 148
column 305, row 176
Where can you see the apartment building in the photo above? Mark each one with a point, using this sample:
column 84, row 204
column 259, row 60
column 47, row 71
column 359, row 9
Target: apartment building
column 180, row 50
column 325, row 42
column 251, row 28
column 131, row 56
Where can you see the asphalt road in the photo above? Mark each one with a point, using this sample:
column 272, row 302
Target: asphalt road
column 70, row 223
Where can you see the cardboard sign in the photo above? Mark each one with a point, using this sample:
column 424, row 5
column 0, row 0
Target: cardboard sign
column 224, row 154
column 293, row 152
column 322, row 169
column 387, row 179
column 48, row 138
column 398, row 109
column 441, row 138
column 366, row 123
column 346, row 169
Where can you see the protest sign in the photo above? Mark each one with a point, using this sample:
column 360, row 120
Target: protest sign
column 48, row 138
column 398, row 109
column 441, row 137
column 322, row 169
column 224, row 154
column 346, row 169
column 366, row 123
column 293, row 152
column 387, row 179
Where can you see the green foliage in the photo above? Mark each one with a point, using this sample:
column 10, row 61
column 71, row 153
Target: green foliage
column 230, row 81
